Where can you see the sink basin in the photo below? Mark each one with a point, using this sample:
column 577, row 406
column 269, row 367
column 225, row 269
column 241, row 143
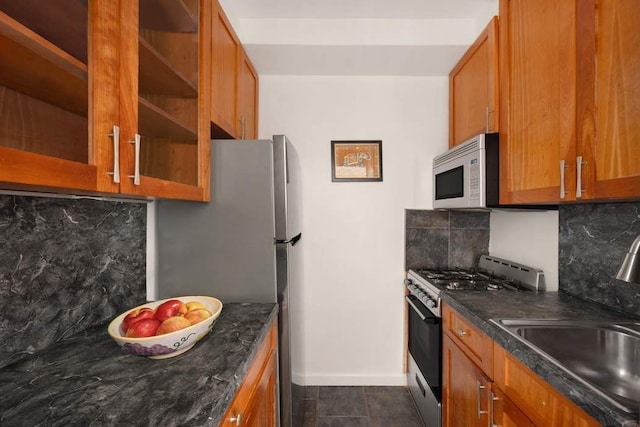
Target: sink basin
column 603, row 355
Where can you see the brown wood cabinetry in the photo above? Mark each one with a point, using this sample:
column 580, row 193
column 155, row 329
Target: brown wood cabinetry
column 534, row 396
column 466, row 389
column 507, row 394
column 255, row 401
column 473, row 89
column 105, row 96
column 247, row 98
column 569, row 100
column 234, row 85
column 505, row 412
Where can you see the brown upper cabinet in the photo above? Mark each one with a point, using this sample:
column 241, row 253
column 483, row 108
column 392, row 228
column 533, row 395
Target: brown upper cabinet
column 234, row 86
column 105, row 96
column 570, row 100
column 473, row 89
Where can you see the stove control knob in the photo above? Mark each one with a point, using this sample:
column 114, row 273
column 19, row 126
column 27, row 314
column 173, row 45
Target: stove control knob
column 408, row 282
column 431, row 303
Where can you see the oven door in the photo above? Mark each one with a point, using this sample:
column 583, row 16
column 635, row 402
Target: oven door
column 425, row 343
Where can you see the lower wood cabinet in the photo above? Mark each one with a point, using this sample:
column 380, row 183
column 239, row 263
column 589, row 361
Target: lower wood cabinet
column 508, row 394
column 255, row 401
column 534, row 396
column 466, row 389
column 504, row 412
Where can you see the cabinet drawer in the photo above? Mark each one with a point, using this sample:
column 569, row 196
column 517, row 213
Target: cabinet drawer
column 534, row 396
column 477, row 345
column 250, row 388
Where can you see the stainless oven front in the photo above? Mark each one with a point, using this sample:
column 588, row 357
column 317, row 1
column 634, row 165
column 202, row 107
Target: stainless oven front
column 424, row 377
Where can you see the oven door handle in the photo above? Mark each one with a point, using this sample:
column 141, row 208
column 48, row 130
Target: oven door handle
column 430, row 319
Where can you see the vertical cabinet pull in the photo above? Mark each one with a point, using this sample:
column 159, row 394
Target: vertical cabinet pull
column 136, row 169
column 563, row 166
column 492, row 399
column 115, row 134
column 480, row 388
column 579, row 189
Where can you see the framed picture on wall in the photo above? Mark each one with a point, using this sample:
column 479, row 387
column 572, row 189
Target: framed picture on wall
column 356, row 161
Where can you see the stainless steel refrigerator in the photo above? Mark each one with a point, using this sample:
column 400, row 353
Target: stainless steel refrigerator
column 243, row 246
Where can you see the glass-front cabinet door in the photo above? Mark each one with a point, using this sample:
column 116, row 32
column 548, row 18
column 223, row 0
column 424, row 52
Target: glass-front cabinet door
column 50, row 136
column 164, row 136
column 103, row 96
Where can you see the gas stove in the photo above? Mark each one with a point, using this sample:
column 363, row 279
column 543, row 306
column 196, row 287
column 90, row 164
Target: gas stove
column 492, row 274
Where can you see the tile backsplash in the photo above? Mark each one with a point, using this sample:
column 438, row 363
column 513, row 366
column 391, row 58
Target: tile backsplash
column 66, row 265
column 439, row 239
column 593, row 242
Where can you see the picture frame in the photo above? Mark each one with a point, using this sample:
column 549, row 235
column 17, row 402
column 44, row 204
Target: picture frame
column 356, row 161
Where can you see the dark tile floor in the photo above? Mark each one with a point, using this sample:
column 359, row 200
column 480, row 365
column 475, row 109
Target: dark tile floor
column 338, row 406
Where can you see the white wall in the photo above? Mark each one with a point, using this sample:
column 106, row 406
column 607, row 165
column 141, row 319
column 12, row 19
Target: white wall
column 348, row 329
column 529, row 238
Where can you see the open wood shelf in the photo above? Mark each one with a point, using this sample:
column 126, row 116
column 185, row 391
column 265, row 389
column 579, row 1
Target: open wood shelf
column 158, row 76
column 167, row 15
column 61, row 22
column 154, row 122
column 36, row 67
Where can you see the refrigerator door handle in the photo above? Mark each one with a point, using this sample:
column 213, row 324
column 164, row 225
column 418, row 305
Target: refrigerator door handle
column 293, row 240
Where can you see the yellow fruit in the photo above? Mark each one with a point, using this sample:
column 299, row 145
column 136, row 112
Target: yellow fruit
column 194, row 305
column 197, row 315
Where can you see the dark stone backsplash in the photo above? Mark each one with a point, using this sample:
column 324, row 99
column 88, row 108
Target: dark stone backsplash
column 66, row 265
column 440, row 239
column 593, row 241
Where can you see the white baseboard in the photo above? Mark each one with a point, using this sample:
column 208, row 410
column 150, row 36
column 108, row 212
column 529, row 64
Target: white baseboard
column 350, row 380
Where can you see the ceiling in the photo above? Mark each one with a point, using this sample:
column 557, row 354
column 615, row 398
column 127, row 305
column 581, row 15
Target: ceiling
column 357, row 37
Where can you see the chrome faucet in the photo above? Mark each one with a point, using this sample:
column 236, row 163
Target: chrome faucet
column 630, row 269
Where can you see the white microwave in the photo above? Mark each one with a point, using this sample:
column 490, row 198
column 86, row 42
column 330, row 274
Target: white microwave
column 468, row 175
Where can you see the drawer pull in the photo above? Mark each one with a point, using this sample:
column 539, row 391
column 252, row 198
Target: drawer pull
column 462, row 332
column 236, row 419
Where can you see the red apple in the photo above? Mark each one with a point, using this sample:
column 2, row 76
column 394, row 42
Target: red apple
column 171, row 308
column 134, row 316
column 197, row 315
column 143, row 328
column 172, row 324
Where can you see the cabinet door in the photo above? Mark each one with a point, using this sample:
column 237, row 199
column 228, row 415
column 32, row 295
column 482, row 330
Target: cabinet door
column 247, row 98
column 466, row 390
column 55, row 127
column 473, row 89
column 161, row 106
column 538, row 99
column 505, row 413
column 262, row 408
column 609, row 99
column 224, row 73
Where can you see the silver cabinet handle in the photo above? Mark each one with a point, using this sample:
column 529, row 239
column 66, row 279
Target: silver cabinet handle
column 462, row 332
column 492, row 421
column 480, row 388
column 563, row 166
column 116, row 154
column 136, row 169
column 236, row 419
column 579, row 189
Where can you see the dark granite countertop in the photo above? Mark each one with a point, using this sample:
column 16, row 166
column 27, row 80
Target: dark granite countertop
column 480, row 307
column 87, row 380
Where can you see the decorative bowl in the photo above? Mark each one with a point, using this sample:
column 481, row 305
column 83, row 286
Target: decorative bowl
column 171, row 344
